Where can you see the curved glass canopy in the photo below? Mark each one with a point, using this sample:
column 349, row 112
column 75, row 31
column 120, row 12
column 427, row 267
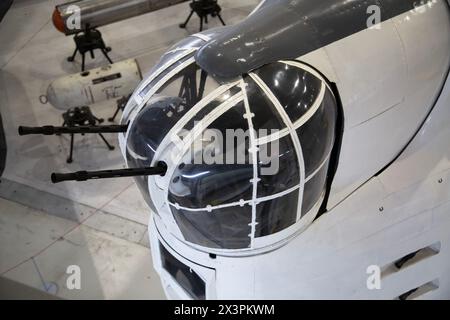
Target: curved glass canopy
column 252, row 155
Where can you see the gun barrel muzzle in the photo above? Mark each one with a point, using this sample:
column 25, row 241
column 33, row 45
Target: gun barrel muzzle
column 160, row 169
column 51, row 130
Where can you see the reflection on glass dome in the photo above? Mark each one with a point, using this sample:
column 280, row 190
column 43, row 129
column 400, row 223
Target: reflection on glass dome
column 246, row 160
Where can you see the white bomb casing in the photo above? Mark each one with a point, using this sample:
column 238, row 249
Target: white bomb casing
column 89, row 87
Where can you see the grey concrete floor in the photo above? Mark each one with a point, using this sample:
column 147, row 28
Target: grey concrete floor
column 99, row 226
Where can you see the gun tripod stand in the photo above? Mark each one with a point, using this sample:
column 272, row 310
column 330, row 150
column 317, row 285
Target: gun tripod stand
column 87, row 41
column 203, row 8
column 121, row 104
column 81, row 117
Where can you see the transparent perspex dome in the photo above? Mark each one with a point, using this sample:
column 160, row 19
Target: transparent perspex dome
column 247, row 160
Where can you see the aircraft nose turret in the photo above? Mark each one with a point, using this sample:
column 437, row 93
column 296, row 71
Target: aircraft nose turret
column 246, row 159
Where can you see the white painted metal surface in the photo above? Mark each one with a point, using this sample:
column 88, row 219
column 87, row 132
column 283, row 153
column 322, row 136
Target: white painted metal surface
column 388, row 80
column 373, row 220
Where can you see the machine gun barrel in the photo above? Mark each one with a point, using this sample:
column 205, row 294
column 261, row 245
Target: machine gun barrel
column 51, row 130
column 160, row 169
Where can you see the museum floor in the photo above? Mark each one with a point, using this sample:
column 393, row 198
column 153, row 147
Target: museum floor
column 100, row 226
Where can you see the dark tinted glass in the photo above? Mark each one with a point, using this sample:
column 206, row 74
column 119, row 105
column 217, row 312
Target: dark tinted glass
column 199, row 186
column 189, row 84
column 296, row 89
column 183, row 275
column 180, row 85
column 220, row 172
column 233, row 127
column 226, row 228
column 173, row 55
column 317, row 134
column 155, row 120
column 176, row 64
column 266, row 116
column 146, row 133
column 210, row 107
column 275, row 215
column 278, row 167
column 151, row 126
column 314, row 189
column 232, row 119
